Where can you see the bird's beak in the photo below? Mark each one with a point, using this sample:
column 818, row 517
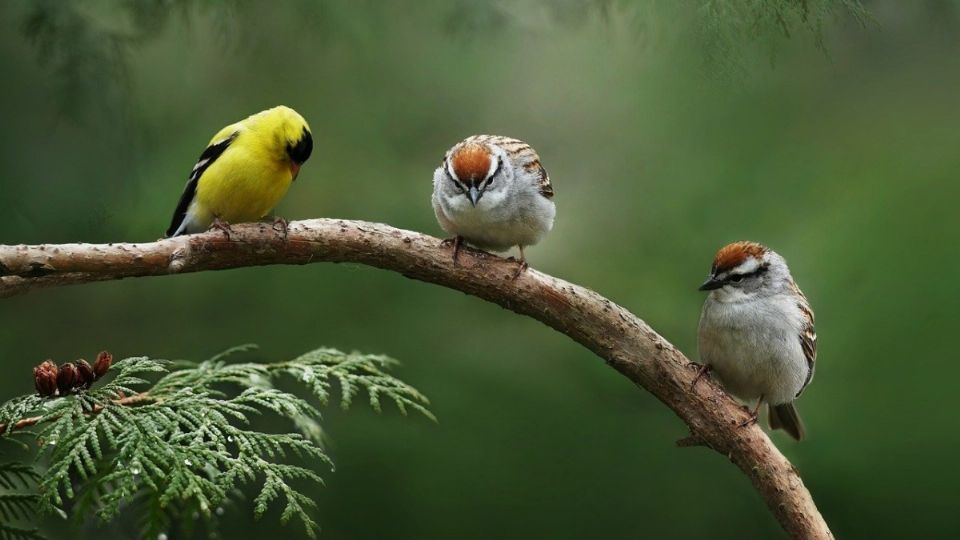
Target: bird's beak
column 712, row 283
column 474, row 195
column 294, row 169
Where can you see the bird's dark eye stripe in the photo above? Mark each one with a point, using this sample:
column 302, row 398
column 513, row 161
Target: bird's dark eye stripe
column 456, row 184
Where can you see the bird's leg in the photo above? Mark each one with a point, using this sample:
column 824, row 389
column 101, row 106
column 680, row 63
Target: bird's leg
column 523, row 264
column 754, row 414
column 283, row 224
column 701, row 371
column 457, row 241
column 222, row 226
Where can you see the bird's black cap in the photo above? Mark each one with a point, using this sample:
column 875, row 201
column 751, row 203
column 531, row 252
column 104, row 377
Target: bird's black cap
column 300, row 152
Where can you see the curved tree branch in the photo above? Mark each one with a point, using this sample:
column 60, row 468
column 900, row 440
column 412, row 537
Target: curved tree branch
column 613, row 333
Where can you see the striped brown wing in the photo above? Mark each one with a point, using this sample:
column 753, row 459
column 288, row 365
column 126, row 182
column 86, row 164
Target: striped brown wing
column 544, row 185
column 808, row 337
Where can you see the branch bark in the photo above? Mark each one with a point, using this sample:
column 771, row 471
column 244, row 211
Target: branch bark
column 624, row 341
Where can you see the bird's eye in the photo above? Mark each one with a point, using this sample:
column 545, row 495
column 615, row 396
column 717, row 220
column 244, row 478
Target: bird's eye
column 489, row 181
column 736, row 278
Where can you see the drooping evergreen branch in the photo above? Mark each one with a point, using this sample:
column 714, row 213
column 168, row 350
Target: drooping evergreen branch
column 18, row 501
column 622, row 339
column 183, row 443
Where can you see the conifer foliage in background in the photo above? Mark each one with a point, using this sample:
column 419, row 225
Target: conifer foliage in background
column 181, row 446
column 18, row 501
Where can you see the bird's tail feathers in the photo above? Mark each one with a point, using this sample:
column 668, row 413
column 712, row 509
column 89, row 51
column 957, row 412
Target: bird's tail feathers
column 171, row 232
column 186, row 224
column 785, row 417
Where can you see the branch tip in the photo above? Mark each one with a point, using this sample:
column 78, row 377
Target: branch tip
column 691, row 440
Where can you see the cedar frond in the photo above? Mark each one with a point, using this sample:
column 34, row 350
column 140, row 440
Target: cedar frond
column 184, row 444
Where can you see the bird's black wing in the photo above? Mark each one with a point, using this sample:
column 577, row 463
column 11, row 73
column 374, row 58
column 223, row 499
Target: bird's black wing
column 206, row 159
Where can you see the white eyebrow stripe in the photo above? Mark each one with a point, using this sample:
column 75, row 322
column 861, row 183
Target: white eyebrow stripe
column 494, row 164
column 746, row 266
column 450, row 170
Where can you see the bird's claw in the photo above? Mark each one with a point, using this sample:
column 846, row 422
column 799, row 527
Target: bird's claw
column 220, row 225
column 281, row 225
column 521, row 268
column 456, row 241
column 754, row 414
column 751, row 420
column 701, row 371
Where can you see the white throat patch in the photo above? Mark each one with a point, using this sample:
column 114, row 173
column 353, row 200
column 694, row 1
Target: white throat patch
column 731, row 295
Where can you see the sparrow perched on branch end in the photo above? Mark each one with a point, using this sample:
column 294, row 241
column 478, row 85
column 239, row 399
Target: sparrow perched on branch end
column 757, row 333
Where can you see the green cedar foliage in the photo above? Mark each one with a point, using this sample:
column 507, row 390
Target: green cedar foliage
column 18, row 501
column 89, row 47
column 184, row 446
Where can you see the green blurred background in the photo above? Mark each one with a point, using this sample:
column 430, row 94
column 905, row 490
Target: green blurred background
column 668, row 128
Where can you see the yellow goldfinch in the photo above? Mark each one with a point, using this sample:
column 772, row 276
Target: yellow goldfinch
column 244, row 172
